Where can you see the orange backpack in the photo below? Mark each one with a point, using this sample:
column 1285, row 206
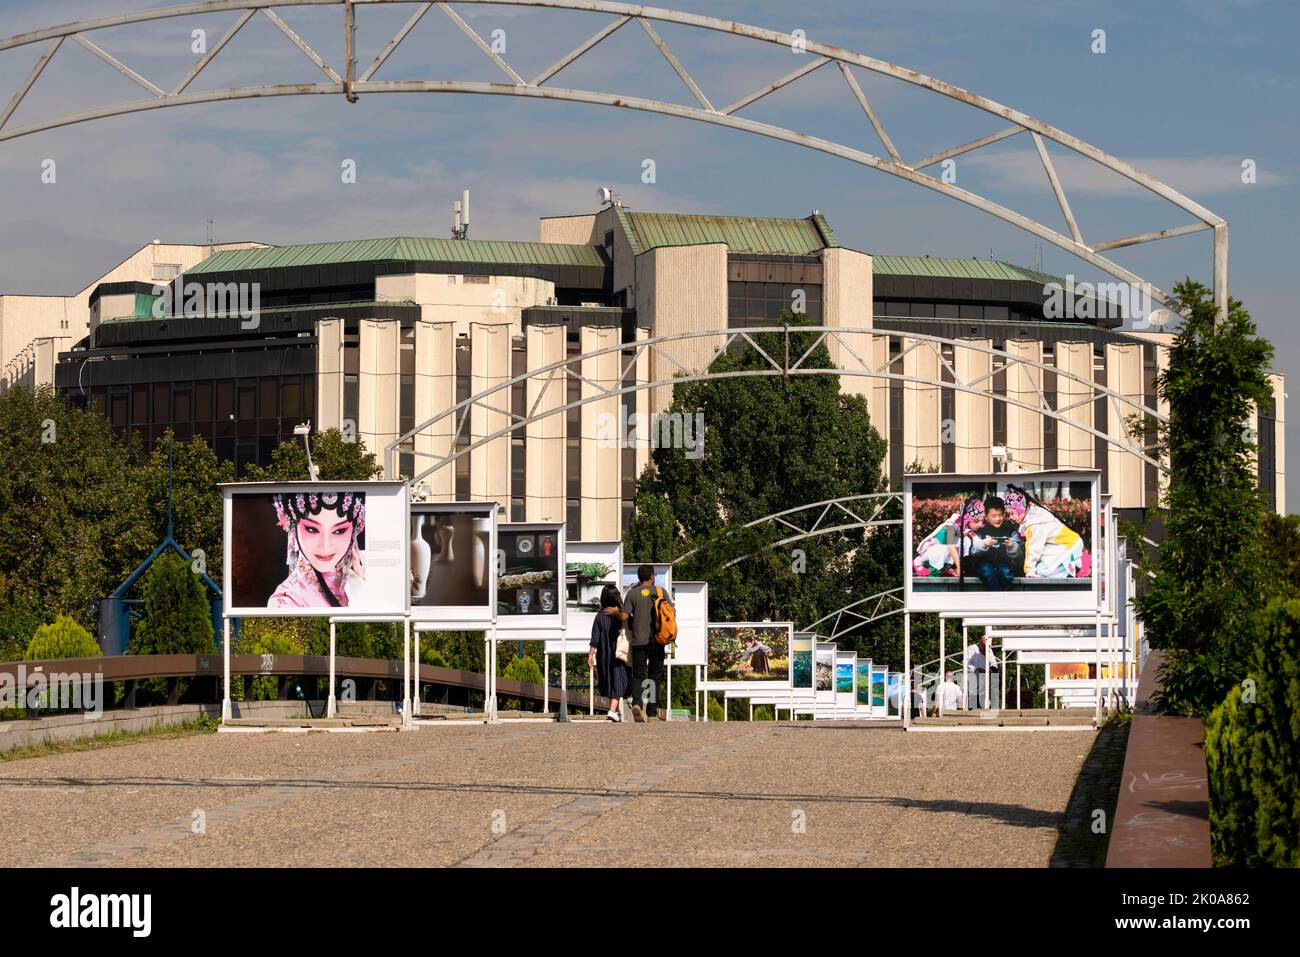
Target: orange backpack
column 665, row 618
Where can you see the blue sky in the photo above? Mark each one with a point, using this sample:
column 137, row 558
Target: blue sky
column 1184, row 90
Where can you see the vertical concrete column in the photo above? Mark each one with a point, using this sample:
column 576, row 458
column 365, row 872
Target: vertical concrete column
column 878, row 393
column 847, row 303
column 921, row 404
column 329, row 375
column 1074, row 447
column 1279, row 411
column 1124, row 375
column 642, row 405
column 377, row 405
column 682, row 289
column 601, row 437
column 544, row 467
column 973, row 430
column 1162, row 406
column 489, row 471
column 435, row 392
column 1025, row 426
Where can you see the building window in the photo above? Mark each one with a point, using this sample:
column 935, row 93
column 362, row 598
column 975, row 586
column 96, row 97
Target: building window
column 165, row 272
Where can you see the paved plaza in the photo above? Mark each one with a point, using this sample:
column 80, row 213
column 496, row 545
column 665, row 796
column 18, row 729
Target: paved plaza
column 677, row 794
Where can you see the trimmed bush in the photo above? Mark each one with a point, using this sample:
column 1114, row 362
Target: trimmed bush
column 715, row 710
column 1252, row 751
column 177, row 618
column 63, row 638
column 524, row 669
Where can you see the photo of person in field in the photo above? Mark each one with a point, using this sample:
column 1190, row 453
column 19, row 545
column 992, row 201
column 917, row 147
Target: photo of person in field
column 749, row 652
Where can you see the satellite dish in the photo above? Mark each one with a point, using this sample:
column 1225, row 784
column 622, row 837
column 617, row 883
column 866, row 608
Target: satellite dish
column 1159, row 318
column 605, row 195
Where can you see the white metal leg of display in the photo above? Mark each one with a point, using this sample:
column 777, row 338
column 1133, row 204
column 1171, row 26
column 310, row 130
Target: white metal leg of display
column 330, row 703
column 965, row 671
column 905, row 679
column 564, row 686
column 406, row 673
column 943, row 663
column 668, row 680
column 546, row 683
column 987, row 700
column 225, row 654
column 1002, row 676
column 1097, row 683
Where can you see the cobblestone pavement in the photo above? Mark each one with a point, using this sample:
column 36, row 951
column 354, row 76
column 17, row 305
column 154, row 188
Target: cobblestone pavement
column 733, row 794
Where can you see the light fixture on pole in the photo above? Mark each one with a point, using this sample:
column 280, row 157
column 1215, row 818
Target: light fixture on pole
column 305, row 431
column 1002, row 458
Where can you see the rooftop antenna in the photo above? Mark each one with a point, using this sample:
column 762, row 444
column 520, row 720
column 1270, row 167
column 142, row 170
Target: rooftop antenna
column 460, row 227
column 608, row 197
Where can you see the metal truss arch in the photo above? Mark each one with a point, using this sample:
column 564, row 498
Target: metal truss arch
column 832, row 509
column 699, row 107
column 880, row 605
column 569, row 368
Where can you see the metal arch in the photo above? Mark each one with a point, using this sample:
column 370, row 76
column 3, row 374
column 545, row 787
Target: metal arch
column 703, row 111
column 460, row 412
column 881, row 599
column 879, row 501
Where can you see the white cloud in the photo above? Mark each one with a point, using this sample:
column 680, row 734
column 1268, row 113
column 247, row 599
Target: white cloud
column 1193, row 176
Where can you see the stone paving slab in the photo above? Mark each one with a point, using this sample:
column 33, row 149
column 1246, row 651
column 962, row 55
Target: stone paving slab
column 732, row 794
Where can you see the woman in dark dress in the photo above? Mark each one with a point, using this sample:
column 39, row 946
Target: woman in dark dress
column 611, row 673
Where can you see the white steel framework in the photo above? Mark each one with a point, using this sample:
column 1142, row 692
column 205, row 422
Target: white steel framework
column 698, row 107
column 556, row 376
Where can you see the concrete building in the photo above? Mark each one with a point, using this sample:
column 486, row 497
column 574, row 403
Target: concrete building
column 375, row 336
column 35, row 329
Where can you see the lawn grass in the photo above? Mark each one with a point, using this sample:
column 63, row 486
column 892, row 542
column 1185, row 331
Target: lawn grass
column 110, row 739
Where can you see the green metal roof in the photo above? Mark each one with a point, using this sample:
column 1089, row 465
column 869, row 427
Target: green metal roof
column 403, row 249
column 957, row 269
column 742, row 234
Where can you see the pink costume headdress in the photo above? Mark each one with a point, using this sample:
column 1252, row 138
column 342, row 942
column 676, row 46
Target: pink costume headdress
column 304, row 580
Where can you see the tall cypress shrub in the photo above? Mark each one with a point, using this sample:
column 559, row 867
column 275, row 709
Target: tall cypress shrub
column 1211, row 576
column 177, row 619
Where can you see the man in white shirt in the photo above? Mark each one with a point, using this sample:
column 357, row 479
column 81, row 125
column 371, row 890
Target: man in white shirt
column 950, row 694
column 979, row 661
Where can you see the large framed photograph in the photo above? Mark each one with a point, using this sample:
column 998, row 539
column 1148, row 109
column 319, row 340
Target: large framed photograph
column 691, row 600
column 824, row 671
column 663, row 575
column 453, row 567
column 755, row 653
column 326, row 549
column 531, row 591
column 801, row 661
column 846, row 663
column 589, row 567
column 1011, row 542
column 862, row 688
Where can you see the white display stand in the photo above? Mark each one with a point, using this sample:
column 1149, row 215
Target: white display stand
column 386, row 588
column 846, row 701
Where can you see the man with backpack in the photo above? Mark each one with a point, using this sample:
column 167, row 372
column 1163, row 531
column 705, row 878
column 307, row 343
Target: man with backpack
column 652, row 628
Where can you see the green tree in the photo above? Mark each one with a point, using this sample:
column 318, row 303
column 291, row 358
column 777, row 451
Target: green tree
column 63, row 638
column 1252, row 751
column 1211, row 574
column 197, row 506
column 76, row 522
column 337, row 458
column 177, row 618
column 770, row 442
